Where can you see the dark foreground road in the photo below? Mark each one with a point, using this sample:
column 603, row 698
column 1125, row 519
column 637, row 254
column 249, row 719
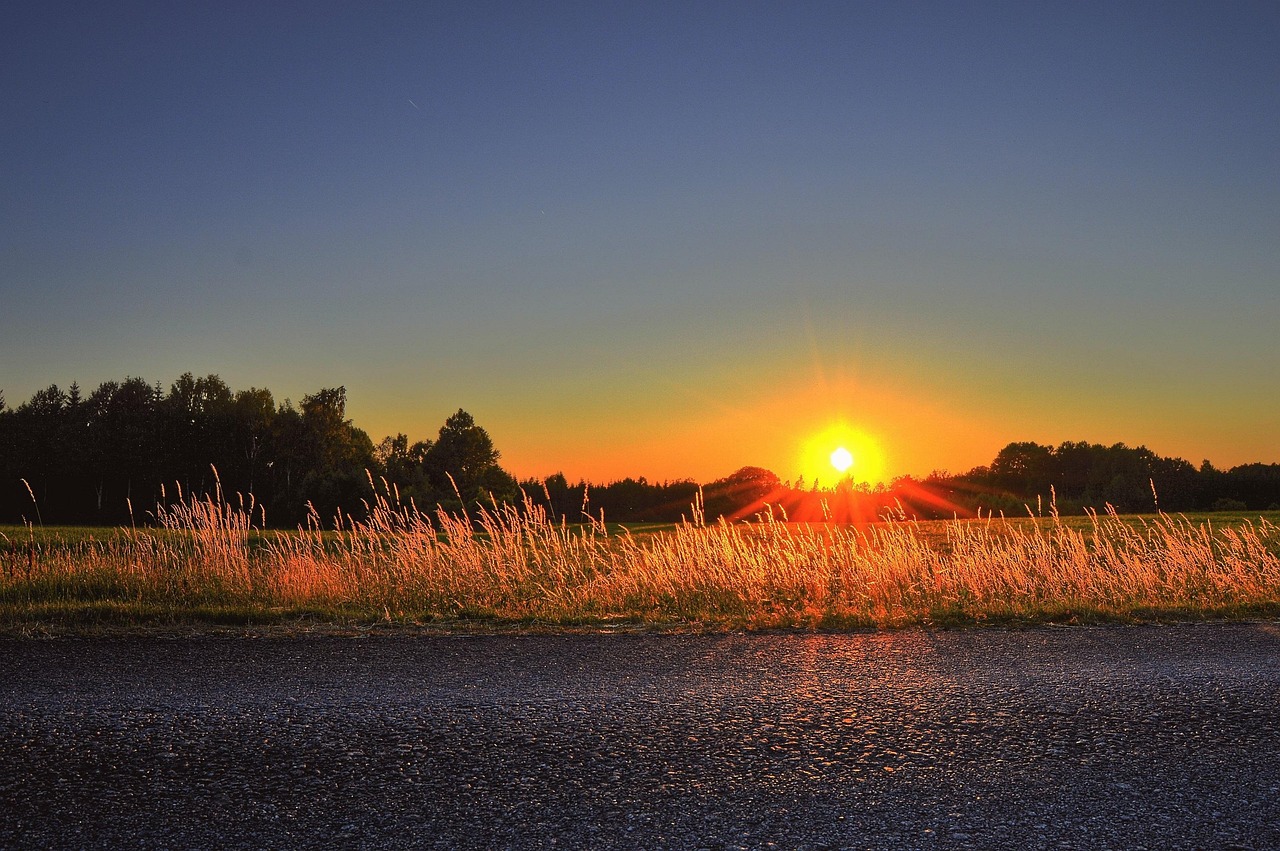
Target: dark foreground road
column 1152, row 737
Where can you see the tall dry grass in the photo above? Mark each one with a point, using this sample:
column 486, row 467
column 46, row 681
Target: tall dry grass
column 515, row 563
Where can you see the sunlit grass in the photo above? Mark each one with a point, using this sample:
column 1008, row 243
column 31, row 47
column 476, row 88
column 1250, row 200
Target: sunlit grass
column 204, row 562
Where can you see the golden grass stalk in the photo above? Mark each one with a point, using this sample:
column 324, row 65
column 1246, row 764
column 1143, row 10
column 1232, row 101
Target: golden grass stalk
column 515, row 563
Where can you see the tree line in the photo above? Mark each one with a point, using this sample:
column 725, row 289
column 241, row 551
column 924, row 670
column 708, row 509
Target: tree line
column 110, row 457
column 113, row 455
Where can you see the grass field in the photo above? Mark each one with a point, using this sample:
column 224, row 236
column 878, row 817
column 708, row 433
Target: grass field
column 204, row 564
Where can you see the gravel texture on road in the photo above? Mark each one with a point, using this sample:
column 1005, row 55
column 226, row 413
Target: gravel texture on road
column 1121, row 737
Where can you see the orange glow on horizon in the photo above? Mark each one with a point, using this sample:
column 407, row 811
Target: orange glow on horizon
column 707, row 431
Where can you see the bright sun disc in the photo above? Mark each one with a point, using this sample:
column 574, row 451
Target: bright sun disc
column 841, row 452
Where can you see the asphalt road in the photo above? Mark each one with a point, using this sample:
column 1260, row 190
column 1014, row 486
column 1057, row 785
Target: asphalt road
column 1152, row 737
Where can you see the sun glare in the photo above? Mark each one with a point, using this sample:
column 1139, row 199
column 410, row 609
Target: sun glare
column 841, row 452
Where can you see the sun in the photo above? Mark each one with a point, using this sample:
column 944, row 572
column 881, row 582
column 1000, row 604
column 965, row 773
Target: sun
column 841, row 452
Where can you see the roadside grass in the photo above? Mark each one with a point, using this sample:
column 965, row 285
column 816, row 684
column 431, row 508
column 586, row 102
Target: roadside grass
column 205, row 565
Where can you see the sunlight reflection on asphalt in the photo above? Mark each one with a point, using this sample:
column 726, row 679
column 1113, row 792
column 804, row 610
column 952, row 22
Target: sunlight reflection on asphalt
column 1116, row 737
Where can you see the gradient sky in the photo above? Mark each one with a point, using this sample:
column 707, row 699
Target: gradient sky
column 662, row 240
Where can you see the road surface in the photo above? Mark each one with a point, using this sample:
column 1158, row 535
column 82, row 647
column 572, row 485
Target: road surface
column 1124, row 737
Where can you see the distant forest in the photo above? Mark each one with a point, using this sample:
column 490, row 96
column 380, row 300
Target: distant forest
column 112, row 456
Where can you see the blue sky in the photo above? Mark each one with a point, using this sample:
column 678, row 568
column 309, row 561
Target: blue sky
column 662, row 239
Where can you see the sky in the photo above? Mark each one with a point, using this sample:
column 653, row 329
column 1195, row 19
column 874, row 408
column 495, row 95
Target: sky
column 662, row 239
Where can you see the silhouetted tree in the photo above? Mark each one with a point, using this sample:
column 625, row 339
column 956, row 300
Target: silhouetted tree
column 1024, row 468
column 198, row 428
column 253, row 413
column 744, row 491
column 463, row 457
column 126, row 447
column 37, row 424
column 403, row 466
column 1212, row 484
column 559, row 495
column 1256, row 485
column 337, row 455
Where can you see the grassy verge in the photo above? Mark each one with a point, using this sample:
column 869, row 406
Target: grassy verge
column 206, row 568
